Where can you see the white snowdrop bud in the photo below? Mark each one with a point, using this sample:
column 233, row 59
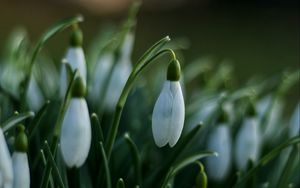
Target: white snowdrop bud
column 219, row 141
column 295, row 122
column 247, row 143
column 6, row 168
column 75, row 57
column 34, row 96
column 120, row 73
column 20, row 160
column 169, row 110
column 75, row 135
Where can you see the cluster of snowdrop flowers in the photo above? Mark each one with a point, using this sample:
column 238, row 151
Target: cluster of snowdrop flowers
column 247, row 143
column 76, row 59
column 219, row 141
column 120, row 70
column 169, row 110
column 76, row 133
column 14, row 172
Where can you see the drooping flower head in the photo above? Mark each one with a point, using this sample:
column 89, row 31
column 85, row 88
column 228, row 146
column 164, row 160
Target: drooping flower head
column 169, row 110
column 219, row 141
column 20, row 160
column 75, row 57
column 6, row 169
column 76, row 128
column 247, row 143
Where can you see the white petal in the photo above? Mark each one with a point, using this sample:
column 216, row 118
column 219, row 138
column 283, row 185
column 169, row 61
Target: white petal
column 178, row 110
column 75, row 57
column 118, row 80
column 5, row 162
column 162, row 115
column 76, row 133
column 21, row 170
column 100, row 74
column 295, row 122
column 247, row 143
column 127, row 46
column 34, row 95
column 220, row 141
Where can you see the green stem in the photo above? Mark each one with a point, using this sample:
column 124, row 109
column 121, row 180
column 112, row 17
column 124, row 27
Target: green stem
column 121, row 102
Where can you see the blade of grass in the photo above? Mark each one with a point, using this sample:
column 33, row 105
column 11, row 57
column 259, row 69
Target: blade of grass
column 284, row 178
column 136, row 158
column 53, row 165
column 13, row 121
column 106, row 167
column 120, row 183
column 37, row 119
column 185, row 162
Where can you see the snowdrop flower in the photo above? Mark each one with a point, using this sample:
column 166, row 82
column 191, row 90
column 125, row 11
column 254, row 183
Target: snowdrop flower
column 120, row 73
column 101, row 72
column 169, row 110
column 6, row 168
column 20, row 160
column 295, row 122
column 75, row 136
column 34, row 96
column 275, row 115
column 247, row 143
column 75, row 57
column 219, row 141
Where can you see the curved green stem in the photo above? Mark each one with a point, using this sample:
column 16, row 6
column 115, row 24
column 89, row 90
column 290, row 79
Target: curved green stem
column 121, row 102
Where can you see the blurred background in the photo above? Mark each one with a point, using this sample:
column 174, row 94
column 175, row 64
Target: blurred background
column 257, row 36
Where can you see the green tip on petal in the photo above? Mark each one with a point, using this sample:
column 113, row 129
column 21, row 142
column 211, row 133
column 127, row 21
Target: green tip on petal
column 174, row 71
column 79, row 89
column 21, row 143
column 76, row 38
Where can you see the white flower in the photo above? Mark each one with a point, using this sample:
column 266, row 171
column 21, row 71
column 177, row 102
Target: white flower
column 120, row 73
column 295, row 122
column 99, row 77
column 275, row 115
column 247, row 143
column 6, row 169
column 21, row 170
column 75, row 57
column 219, row 141
column 76, row 133
column 168, row 115
column 34, row 96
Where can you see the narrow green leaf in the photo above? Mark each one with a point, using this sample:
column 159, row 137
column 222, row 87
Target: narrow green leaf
column 185, row 162
column 267, row 158
column 284, row 178
column 136, row 158
column 53, row 165
column 191, row 159
column 97, row 129
column 120, row 183
column 47, row 171
column 37, row 119
column 11, row 122
column 181, row 145
column 65, row 103
column 42, row 154
column 106, row 167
